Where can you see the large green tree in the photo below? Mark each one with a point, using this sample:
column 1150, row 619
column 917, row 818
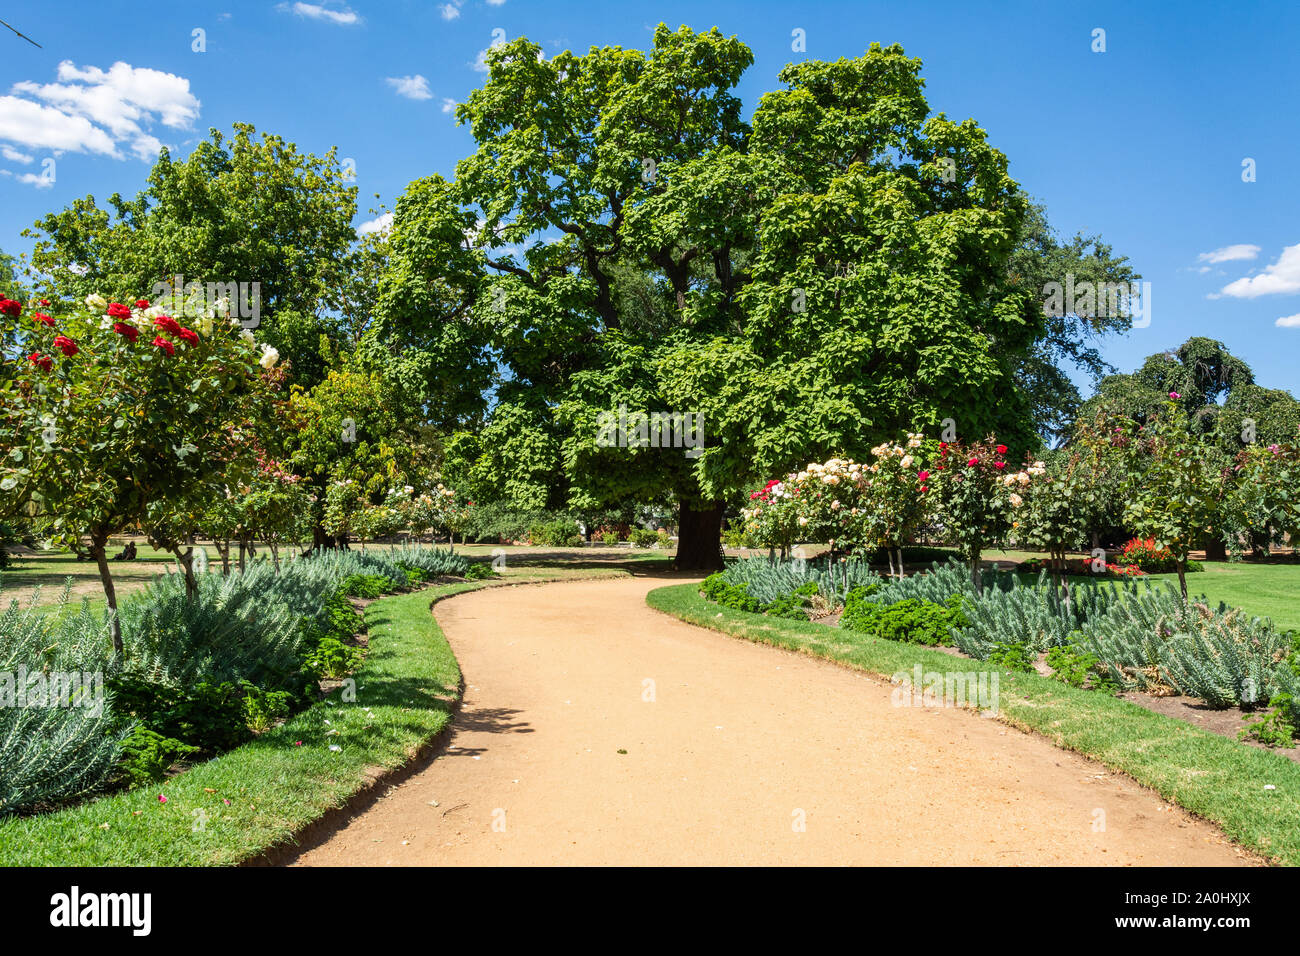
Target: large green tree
column 834, row 274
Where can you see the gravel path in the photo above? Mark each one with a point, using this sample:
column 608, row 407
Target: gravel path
column 597, row 731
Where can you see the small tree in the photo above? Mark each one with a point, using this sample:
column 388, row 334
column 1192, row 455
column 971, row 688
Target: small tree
column 1173, row 486
column 103, row 423
column 1262, row 504
column 972, row 499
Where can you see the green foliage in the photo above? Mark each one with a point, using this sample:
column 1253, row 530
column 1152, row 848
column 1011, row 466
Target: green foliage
column 430, row 562
column 1014, row 656
column 196, row 218
column 553, row 533
column 911, row 621
column 643, row 537
column 147, row 756
column 1072, row 665
column 50, row 754
column 1274, row 728
column 1222, row 656
column 480, row 572
column 720, row 590
column 333, row 659
column 369, row 586
column 609, row 537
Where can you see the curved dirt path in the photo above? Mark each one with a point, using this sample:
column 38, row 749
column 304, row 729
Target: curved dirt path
column 740, row 743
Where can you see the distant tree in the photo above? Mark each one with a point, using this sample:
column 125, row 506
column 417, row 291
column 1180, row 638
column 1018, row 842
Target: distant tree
column 1070, row 334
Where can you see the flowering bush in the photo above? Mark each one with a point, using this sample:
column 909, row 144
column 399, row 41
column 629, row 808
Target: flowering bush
column 100, row 430
column 1146, row 555
column 773, row 518
column 977, row 498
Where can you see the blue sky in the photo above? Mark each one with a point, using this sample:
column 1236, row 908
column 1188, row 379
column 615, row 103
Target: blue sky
column 1143, row 143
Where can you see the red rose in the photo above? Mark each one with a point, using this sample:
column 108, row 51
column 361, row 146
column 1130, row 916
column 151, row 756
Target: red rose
column 10, row 307
column 66, row 345
column 1002, row 449
column 188, row 335
column 130, row 331
column 162, row 343
column 923, row 475
column 924, row 487
column 973, row 462
column 116, row 310
column 168, row 324
column 45, row 302
column 142, row 303
column 42, row 318
column 42, row 362
column 999, row 464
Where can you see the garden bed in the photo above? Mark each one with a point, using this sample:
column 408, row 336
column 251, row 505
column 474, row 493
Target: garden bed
column 1251, row 793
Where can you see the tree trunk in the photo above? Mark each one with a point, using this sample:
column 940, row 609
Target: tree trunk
column 241, row 554
column 901, row 573
column 1182, row 577
column 699, row 542
column 275, row 556
column 320, row 541
column 97, row 544
column 975, row 574
column 223, row 549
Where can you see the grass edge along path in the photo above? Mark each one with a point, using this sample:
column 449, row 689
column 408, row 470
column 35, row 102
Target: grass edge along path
column 257, row 796
column 1212, row 776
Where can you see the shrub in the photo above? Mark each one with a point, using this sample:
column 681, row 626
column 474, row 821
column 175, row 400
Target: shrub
column 575, row 541
column 1078, row 668
column 365, row 585
column 1147, row 556
column 147, row 756
column 1011, row 655
column 49, row 754
column 643, row 537
column 480, row 572
column 910, row 621
column 333, row 659
column 1276, row 728
column 432, row 563
column 1221, row 656
column 552, row 533
column 609, row 537
column 720, row 590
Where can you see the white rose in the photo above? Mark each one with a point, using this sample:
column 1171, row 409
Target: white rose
column 269, row 357
column 96, row 301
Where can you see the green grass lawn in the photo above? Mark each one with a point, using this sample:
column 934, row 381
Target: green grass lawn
column 1217, row 778
column 50, row 571
column 242, row 803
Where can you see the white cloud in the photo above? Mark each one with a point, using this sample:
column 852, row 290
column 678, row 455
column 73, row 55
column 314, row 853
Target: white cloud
column 1235, row 253
column 44, row 127
column 449, row 11
column 412, row 87
column 496, row 3
column 345, row 17
column 381, row 224
column 1289, row 322
column 449, row 105
column 1280, row 278
column 14, row 156
column 31, row 179
column 98, row 111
